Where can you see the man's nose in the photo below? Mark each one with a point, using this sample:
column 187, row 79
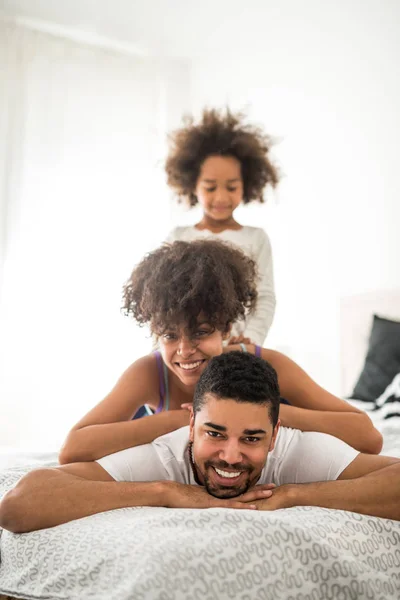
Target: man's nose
column 230, row 452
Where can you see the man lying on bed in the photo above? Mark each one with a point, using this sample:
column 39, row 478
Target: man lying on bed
column 233, row 455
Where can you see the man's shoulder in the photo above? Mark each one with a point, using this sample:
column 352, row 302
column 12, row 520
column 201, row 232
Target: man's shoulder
column 285, row 439
column 295, row 439
column 173, row 451
column 306, row 456
column 176, row 441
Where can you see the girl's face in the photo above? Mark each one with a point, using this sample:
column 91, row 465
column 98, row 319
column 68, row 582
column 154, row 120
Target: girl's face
column 219, row 188
column 187, row 355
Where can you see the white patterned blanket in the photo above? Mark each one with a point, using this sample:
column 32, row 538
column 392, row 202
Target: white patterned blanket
column 163, row 554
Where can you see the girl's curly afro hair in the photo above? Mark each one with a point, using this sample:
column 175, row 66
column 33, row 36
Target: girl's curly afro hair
column 172, row 285
column 223, row 134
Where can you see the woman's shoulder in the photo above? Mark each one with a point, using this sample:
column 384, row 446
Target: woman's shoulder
column 144, row 369
column 273, row 356
column 250, row 348
column 281, row 363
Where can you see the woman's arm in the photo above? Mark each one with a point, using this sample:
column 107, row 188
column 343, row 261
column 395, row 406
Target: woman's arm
column 108, row 427
column 314, row 409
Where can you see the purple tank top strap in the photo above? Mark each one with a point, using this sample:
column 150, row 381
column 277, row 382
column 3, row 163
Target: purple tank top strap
column 160, row 380
column 258, row 351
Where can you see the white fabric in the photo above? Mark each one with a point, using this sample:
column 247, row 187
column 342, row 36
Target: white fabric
column 388, row 403
column 82, row 133
column 254, row 242
column 393, row 389
column 298, row 457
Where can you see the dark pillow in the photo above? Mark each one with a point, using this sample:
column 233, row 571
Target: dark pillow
column 382, row 361
column 388, row 404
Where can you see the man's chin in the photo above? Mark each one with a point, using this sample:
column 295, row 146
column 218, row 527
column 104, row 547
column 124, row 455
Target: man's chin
column 226, row 493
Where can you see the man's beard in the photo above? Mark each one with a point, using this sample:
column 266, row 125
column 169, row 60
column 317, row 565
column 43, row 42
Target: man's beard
column 225, row 491
column 218, row 490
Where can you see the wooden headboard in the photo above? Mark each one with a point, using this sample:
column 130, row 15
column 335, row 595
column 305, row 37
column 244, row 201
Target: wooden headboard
column 356, row 313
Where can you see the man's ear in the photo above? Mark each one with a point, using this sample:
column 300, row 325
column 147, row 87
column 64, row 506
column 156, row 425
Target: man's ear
column 191, row 424
column 274, row 436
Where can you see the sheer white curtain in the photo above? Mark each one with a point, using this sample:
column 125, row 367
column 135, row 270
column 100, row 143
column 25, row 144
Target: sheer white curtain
column 83, row 198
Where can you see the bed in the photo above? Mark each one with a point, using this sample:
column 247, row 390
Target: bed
column 358, row 315
column 162, row 554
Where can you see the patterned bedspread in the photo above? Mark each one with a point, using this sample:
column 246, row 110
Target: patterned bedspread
column 162, row 554
column 300, row 553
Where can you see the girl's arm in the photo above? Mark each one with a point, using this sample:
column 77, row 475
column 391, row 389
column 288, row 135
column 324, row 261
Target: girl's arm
column 314, row 409
column 259, row 322
column 108, row 427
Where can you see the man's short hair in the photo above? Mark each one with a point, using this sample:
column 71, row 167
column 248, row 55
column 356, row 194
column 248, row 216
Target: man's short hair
column 242, row 377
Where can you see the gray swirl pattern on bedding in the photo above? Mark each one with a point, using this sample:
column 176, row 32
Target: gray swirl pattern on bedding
column 163, row 554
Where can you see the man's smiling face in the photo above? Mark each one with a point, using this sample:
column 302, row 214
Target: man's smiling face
column 230, row 444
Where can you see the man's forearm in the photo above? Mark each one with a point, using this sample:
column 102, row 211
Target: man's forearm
column 376, row 494
column 48, row 497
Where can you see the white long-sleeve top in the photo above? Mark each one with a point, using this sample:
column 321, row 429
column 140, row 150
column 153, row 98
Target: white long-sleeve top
column 255, row 243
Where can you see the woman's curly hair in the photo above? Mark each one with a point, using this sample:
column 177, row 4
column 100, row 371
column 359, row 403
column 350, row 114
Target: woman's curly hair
column 172, row 285
column 224, row 135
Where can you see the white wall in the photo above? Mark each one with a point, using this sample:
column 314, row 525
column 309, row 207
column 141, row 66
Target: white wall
column 82, row 150
column 324, row 78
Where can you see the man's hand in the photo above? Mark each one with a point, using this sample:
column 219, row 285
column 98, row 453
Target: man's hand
column 179, row 495
column 280, row 497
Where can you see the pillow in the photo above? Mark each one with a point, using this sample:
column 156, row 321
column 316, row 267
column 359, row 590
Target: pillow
column 382, row 362
column 388, row 403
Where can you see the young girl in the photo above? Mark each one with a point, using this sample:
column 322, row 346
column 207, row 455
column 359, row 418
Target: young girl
column 190, row 293
column 220, row 163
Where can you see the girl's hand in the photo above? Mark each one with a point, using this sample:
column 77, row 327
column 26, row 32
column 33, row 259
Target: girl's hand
column 239, row 339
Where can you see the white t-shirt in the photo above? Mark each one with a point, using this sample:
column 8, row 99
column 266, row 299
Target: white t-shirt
column 298, row 457
column 255, row 243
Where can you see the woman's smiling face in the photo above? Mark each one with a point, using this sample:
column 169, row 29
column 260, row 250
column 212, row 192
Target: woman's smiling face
column 186, row 354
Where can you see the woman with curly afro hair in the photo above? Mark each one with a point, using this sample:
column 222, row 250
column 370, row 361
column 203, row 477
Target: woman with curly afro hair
column 221, row 162
column 190, row 293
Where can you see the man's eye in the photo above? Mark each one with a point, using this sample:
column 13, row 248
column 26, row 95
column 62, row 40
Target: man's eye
column 213, row 434
column 252, row 440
